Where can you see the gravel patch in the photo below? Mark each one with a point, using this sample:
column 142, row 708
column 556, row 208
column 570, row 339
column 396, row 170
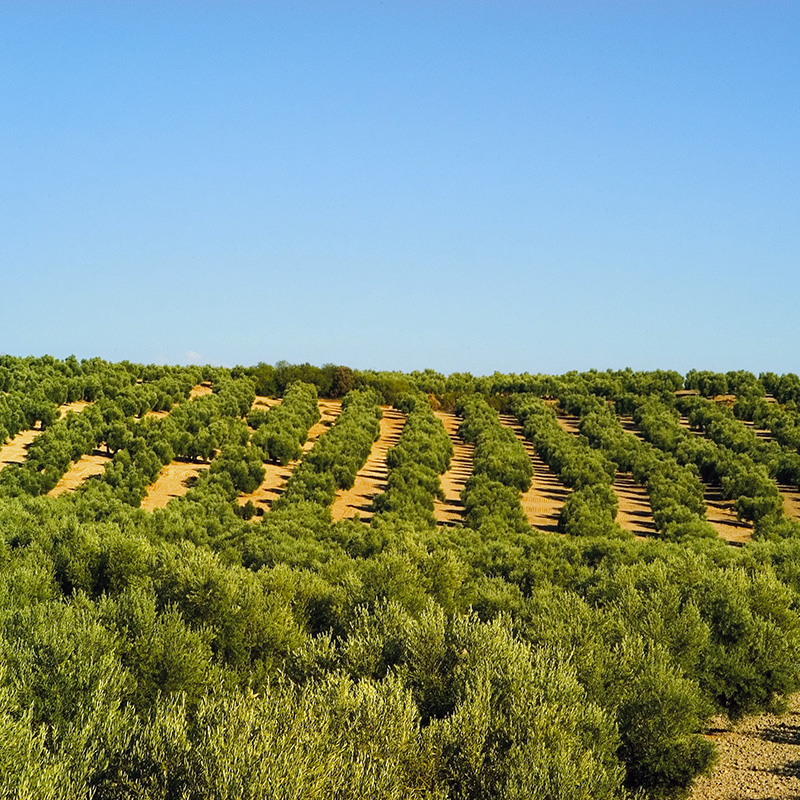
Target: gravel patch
column 759, row 758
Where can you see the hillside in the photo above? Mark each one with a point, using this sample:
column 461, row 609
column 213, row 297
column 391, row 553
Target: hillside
column 304, row 582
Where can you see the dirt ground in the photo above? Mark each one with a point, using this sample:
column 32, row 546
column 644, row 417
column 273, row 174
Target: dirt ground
column 93, row 464
column 371, row 478
column 634, row 513
column 759, row 758
column 450, row 511
column 791, row 500
column 719, row 512
column 175, row 480
column 542, row 502
column 275, row 476
column 15, row 450
column 178, row 477
column 201, row 390
column 790, row 494
column 760, row 432
column 569, row 424
column 154, row 415
column 266, row 403
column 629, row 426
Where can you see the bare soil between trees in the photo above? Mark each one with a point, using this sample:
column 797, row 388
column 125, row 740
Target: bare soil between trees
column 175, row 480
column 15, row 450
column 719, row 512
column 634, row 513
column 450, row 511
column 201, row 390
column 371, row 478
column 177, row 477
column 759, row 758
column 543, row 500
column 275, row 475
column 83, row 468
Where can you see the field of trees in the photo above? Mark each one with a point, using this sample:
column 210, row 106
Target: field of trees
column 313, row 582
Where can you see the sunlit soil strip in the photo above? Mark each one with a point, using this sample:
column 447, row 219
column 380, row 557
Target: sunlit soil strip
column 766, row 435
column 542, row 502
column 791, row 500
column 276, row 476
column 450, row 511
column 177, row 477
column 83, row 468
column 15, row 450
column 722, row 515
column 175, row 480
column 629, row 426
column 634, row 513
column 371, row 478
column 95, row 464
column 790, row 494
column 719, row 511
column 265, row 403
column 758, row 757
column 569, row 424
column 201, row 390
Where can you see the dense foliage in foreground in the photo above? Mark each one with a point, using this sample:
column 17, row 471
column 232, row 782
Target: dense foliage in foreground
column 201, row 652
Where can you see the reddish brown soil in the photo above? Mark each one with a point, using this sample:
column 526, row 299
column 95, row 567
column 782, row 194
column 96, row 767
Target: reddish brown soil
column 371, row 478
column 759, row 758
column 450, row 511
column 542, row 502
column 275, row 476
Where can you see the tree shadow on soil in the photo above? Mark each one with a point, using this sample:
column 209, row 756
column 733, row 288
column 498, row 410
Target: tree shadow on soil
column 782, row 734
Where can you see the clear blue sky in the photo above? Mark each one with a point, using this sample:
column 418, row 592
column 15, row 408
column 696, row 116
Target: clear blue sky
column 467, row 186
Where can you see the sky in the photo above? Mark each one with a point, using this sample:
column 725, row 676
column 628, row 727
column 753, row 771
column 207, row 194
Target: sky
column 449, row 184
